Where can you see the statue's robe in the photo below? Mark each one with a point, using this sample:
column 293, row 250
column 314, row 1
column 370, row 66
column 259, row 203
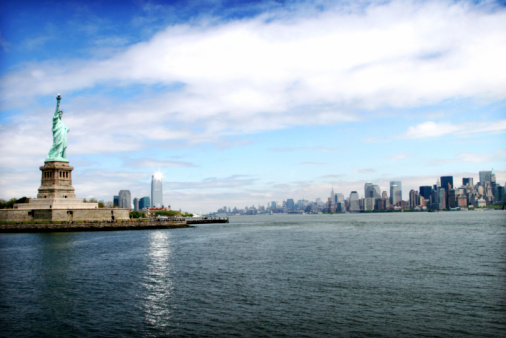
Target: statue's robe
column 57, row 151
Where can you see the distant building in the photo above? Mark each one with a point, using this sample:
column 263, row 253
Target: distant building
column 144, row 202
column 369, row 203
column 156, row 190
column 467, row 181
column 426, row 191
column 115, row 201
column 447, row 182
column 462, row 201
column 447, row 185
column 354, row 202
column 452, row 198
column 376, row 191
column 125, row 199
column 384, row 194
column 368, row 190
column 290, row 205
column 441, row 198
column 395, row 192
column 485, row 176
column 136, row 204
column 414, row 199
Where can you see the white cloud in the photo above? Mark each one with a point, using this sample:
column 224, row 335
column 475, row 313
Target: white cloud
column 399, row 156
column 259, row 75
column 430, row 129
column 434, row 129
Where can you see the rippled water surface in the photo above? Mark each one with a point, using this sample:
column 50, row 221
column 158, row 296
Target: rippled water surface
column 400, row 274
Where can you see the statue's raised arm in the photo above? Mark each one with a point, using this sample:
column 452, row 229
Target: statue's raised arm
column 57, row 110
column 59, row 148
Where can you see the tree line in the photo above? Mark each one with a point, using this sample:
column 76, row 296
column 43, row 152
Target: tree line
column 10, row 203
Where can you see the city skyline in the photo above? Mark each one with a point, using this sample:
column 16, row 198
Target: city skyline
column 487, row 191
column 249, row 103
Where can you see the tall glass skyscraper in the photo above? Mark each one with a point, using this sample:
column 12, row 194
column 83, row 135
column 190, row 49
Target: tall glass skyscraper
column 156, row 190
column 395, row 192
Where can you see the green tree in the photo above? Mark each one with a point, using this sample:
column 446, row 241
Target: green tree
column 168, row 213
column 137, row 214
column 10, row 203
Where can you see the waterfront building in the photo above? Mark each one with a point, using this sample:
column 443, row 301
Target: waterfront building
column 136, row 204
column 369, row 203
column 452, row 198
column 414, row 199
column 144, row 203
column 354, row 202
column 447, row 185
column 500, row 195
column 462, row 201
column 395, row 192
column 115, row 201
column 156, row 190
column 125, row 199
column 441, row 199
column 341, row 207
column 380, row 203
column 290, row 204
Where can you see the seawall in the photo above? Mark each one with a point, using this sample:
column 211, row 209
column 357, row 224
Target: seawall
column 91, row 226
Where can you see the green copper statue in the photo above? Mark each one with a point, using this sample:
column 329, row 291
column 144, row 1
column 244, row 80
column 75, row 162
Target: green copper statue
column 57, row 151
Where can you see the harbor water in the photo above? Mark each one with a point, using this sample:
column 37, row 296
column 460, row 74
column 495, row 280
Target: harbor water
column 347, row 275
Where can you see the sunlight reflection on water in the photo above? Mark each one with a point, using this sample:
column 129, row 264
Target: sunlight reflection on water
column 157, row 283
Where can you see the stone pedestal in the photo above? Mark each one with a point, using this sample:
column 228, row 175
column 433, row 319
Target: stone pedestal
column 56, row 181
column 56, row 190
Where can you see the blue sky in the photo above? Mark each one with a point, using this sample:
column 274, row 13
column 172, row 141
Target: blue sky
column 242, row 103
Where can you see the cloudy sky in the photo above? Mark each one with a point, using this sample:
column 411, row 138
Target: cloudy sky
column 242, row 104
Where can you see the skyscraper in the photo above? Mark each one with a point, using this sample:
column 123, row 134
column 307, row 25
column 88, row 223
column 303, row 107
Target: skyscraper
column 447, row 183
column 290, row 205
column 368, row 190
column 144, row 203
column 467, row 181
column 426, row 192
column 354, row 202
column 485, row 176
column 395, row 192
column 125, row 199
column 376, row 191
column 156, row 190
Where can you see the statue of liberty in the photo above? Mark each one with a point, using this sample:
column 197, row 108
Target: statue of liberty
column 57, row 151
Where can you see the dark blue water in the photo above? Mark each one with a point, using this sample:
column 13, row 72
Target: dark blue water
column 402, row 274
